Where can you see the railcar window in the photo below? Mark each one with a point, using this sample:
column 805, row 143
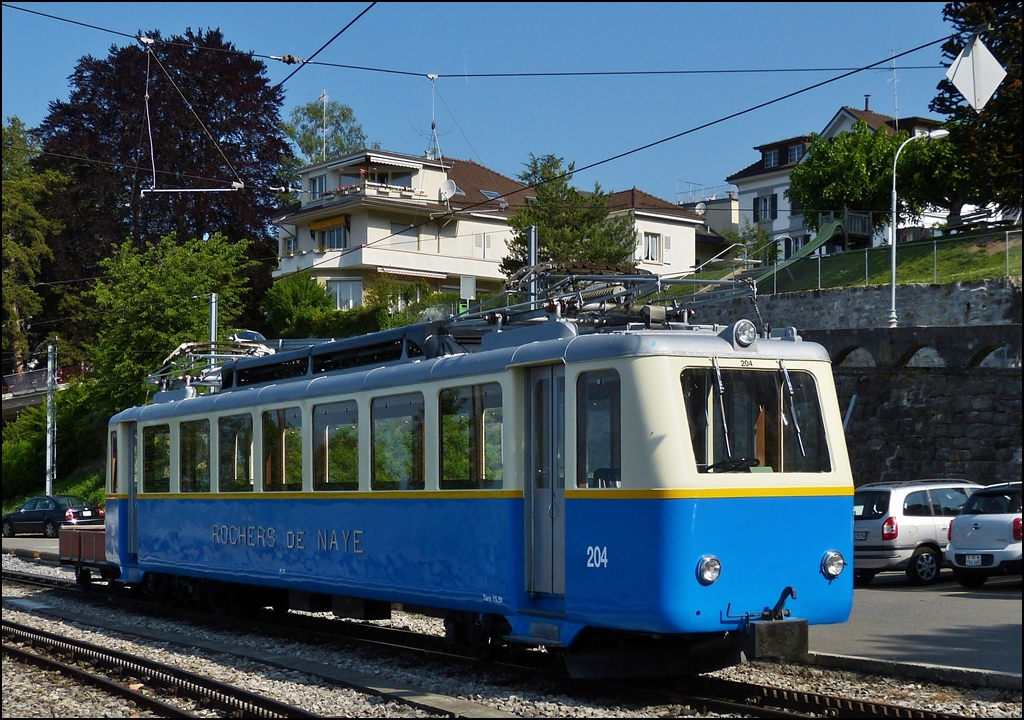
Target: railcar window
column 397, row 437
column 471, row 429
column 336, row 446
column 755, row 420
column 112, row 464
column 282, row 450
column 235, row 453
column 195, row 456
column 156, row 459
column 598, row 424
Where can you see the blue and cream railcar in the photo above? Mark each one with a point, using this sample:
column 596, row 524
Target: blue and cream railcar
column 547, row 486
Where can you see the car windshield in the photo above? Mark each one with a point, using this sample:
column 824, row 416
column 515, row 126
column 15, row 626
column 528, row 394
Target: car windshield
column 870, row 504
column 993, row 502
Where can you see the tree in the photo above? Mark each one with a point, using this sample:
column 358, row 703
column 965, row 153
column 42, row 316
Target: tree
column 987, row 143
column 932, row 173
column 852, row 171
column 212, row 118
column 153, row 300
column 572, row 226
column 295, row 306
column 24, row 233
column 306, row 130
column 756, row 241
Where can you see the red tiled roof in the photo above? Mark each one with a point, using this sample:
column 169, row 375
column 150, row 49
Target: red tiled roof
column 472, row 178
column 634, row 199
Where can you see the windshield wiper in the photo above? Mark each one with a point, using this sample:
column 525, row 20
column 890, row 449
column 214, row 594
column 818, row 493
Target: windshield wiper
column 721, row 404
column 792, row 407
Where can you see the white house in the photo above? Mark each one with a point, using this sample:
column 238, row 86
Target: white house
column 436, row 220
column 762, row 185
column 439, row 221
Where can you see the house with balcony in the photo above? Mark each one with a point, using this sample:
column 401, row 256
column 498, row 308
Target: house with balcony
column 439, row 221
column 761, row 186
column 417, row 218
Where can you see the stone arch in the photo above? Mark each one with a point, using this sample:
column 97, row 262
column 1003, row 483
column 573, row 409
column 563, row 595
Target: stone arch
column 990, row 356
column 854, row 356
column 922, row 356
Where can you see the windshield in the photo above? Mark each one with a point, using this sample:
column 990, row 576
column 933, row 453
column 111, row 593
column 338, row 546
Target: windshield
column 754, row 420
column 870, row 504
column 991, row 502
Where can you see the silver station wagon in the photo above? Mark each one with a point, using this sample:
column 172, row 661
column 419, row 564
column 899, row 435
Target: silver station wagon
column 903, row 526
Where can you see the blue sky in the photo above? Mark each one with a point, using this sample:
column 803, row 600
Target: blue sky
column 499, row 122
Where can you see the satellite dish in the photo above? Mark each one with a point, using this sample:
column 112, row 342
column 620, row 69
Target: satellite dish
column 700, row 208
column 448, row 188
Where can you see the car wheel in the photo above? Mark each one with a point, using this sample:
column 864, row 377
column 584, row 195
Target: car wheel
column 970, row 579
column 924, row 566
column 8, row 528
column 50, row 529
column 862, row 577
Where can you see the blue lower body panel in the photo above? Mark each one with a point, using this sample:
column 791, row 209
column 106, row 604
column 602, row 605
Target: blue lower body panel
column 451, row 553
column 632, row 564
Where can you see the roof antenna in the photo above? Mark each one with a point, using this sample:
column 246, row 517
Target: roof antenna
column 434, row 151
column 323, row 99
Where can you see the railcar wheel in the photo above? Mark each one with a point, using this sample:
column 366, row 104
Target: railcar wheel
column 970, row 579
column 8, row 529
column 50, row 529
column 924, row 566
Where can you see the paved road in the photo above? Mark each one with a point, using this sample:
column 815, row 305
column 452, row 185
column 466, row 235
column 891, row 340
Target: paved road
column 943, row 624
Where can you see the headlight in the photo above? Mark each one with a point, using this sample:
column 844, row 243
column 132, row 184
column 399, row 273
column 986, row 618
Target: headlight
column 708, row 569
column 832, row 564
column 745, row 333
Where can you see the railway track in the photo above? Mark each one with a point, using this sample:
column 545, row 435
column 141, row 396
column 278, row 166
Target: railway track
column 137, row 673
column 705, row 694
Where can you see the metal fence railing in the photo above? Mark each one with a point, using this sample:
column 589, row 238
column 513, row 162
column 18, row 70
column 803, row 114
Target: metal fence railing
column 933, row 260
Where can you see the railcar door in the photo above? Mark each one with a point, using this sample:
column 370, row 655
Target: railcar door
column 127, row 480
column 546, row 478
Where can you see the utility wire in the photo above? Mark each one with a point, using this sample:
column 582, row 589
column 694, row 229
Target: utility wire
column 410, row 73
column 649, row 145
column 306, row 62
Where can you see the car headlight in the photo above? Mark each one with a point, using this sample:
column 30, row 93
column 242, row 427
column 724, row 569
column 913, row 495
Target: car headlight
column 745, row 333
column 708, row 569
column 832, row 564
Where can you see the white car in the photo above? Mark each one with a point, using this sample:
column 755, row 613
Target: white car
column 985, row 538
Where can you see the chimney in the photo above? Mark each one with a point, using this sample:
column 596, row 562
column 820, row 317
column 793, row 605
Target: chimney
column 867, row 103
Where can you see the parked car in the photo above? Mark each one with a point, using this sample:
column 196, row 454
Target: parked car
column 47, row 513
column 904, row 526
column 984, row 540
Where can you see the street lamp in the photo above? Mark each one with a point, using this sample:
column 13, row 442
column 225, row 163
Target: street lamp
column 933, row 135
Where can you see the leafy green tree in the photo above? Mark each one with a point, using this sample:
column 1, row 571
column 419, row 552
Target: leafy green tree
column 933, row 173
column 852, row 171
column 988, row 143
column 106, row 137
column 306, row 127
column 24, row 236
column 756, row 241
column 295, row 306
column 153, row 300
column 572, row 226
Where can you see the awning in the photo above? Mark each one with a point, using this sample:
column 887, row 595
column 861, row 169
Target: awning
column 413, row 273
column 336, row 221
column 382, row 160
